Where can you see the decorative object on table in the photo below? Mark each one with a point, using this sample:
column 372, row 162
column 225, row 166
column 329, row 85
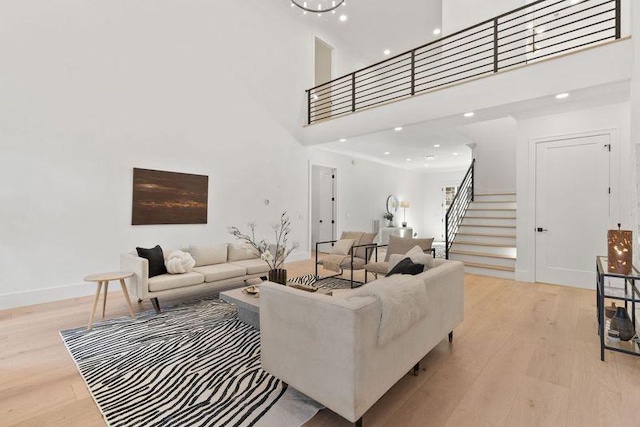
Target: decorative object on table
column 252, row 290
column 103, row 279
column 161, row 197
column 389, row 217
column 620, row 251
column 622, row 323
column 404, row 205
column 613, row 336
column 273, row 254
column 610, row 310
column 117, row 353
column 179, row 262
column 278, row 275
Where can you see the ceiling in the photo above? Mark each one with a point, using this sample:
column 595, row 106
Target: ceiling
column 375, row 25
column 414, row 142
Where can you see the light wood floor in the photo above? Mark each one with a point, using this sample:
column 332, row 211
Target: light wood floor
column 526, row 355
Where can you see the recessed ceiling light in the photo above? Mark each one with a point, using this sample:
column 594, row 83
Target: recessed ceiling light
column 426, row 164
column 398, row 129
column 562, row 95
column 436, row 146
column 386, row 153
column 469, row 114
column 455, row 154
column 431, row 157
column 343, row 18
column 387, row 52
column 437, row 31
column 343, row 139
column 408, row 160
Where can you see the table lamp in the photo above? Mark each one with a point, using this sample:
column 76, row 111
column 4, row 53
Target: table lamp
column 620, row 251
column 404, row 205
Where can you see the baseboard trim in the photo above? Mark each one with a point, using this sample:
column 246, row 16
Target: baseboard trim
column 44, row 295
column 76, row 290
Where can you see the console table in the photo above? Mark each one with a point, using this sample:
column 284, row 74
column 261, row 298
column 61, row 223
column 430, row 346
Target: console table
column 628, row 293
column 385, row 232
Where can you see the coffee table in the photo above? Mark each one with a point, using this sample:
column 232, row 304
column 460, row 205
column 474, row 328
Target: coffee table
column 248, row 306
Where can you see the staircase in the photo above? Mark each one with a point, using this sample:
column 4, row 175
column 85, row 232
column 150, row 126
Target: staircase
column 486, row 237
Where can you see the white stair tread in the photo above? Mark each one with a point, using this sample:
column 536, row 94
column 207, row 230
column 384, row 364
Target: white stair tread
column 489, row 267
column 480, row 254
column 488, row 217
column 489, row 226
column 491, row 209
column 510, row 236
column 493, row 245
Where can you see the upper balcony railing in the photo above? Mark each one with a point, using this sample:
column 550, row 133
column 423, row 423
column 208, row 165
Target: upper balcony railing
column 538, row 30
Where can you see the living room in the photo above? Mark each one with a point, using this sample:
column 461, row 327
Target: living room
column 92, row 91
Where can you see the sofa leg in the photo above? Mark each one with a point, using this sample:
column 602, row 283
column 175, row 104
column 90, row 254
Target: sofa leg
column 451, row 336
column 416, row 369
column 156, row 305
column 359, row 422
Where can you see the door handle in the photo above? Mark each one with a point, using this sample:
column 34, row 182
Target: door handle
column 320, row 221
column 541, row 230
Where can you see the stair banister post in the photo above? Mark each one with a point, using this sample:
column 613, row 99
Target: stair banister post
column 495, row 45
column 618, row 19
column 473, row 178
column 353, row 91
column 413, row 72
column 446, row 235
column 308, row 106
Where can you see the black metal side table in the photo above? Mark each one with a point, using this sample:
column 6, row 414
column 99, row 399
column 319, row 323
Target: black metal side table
column 629, row 294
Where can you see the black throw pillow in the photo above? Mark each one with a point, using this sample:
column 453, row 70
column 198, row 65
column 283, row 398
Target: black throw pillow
column 156, row 260
column 406, row 266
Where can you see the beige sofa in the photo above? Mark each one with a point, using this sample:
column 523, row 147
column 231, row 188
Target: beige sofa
column 218, row 268
column 328, row 347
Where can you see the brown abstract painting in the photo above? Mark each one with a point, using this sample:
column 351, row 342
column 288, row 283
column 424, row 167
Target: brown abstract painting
column 169, row 198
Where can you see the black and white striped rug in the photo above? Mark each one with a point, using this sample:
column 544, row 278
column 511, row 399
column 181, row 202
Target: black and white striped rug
column 193, row 365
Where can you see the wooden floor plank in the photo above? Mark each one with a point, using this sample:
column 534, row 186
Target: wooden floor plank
column 527, row 355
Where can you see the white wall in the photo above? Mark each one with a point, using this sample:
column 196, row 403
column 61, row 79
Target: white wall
column 635, row 133
column 363, row 188
column 433, row 199
column 495, row 154
column 460, row 14
column 611, row 117
column 91, row 90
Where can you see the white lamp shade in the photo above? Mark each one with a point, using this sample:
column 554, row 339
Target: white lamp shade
column 404, row 204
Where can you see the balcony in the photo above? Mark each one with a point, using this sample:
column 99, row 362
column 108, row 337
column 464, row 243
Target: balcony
column 528, row 35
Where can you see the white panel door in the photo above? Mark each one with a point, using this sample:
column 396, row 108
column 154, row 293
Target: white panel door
column 572, row 209
column 323, row 206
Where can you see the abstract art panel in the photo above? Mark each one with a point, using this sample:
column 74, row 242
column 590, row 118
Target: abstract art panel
column 169, row 198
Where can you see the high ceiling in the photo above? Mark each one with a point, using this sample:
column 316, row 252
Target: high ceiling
column 375, row 25
column 409, row 148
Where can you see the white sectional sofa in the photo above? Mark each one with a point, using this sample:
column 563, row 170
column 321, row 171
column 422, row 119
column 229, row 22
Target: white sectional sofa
column 329, row 348
column 218, row 268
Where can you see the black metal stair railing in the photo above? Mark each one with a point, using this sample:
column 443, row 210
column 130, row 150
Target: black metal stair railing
column 538, row 30
column 458, row 208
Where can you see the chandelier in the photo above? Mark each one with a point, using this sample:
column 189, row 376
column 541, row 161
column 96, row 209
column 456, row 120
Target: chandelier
column 318, row 6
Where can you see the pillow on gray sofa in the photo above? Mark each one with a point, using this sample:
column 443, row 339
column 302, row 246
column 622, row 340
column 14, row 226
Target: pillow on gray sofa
column 155, row 258
column 209, row 255
column 401, row 245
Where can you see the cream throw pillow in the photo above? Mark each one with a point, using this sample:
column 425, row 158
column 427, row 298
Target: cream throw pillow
column 416, row 255
column 342, row 247
column 209, row 255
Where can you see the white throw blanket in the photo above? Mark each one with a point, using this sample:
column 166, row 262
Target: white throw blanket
column 179, row 262
column 403, row 301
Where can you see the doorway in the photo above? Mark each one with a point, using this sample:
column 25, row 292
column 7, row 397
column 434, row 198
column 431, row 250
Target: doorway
column 572, row 208
column 323, row 204
column 449, row 191
column 323, row 66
